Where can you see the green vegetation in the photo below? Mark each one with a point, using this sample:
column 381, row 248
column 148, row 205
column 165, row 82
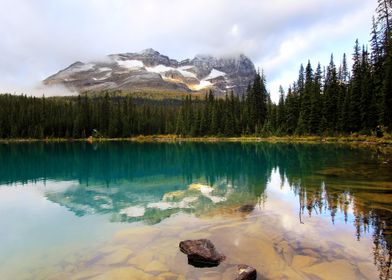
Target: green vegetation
column 152, row 94
column 326, row 103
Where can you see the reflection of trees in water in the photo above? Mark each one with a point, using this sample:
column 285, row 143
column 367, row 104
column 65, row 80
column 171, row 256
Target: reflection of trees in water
column 381, row 222
column 338, row 181
column 326, row 178
column 109, row 163
column 323, row 200
column 365, row 218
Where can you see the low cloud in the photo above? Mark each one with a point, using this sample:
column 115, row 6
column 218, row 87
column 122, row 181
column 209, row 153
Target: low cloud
column 37, row 90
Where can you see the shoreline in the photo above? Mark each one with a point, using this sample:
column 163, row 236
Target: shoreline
column 353, row 139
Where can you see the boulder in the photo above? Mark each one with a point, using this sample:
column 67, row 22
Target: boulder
column 246, row 272
column 201, row 253
column 246, row 208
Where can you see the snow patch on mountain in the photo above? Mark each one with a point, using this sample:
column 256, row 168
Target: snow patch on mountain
column 104, row 77
column 206, row 83
column 104, row 69
column 187, row 73
column 202, row 85
column 184, row 70
column 161, row 69
column 215, row 74
column 151, row 70
column 130, row 64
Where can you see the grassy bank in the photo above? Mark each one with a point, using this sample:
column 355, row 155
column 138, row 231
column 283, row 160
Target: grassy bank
column 360, row 139
column 296, row 139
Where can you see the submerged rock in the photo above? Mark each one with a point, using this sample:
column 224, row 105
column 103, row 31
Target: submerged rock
column 246, row 272
column 246, row 208
column 201, row 253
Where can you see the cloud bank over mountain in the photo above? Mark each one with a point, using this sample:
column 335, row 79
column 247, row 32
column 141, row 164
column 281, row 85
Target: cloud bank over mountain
column 40, row 37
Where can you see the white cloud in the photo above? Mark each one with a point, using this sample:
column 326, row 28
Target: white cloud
column 234, row 30
column 37, row 90
column 316, row 44
column 40, row 37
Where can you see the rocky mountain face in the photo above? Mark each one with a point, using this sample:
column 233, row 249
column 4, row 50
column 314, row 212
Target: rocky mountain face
column 150, row 70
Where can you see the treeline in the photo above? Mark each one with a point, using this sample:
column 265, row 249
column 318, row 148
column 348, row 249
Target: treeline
column 334, row 100
column 114, row 116
column 69, row 117
column 328, row 101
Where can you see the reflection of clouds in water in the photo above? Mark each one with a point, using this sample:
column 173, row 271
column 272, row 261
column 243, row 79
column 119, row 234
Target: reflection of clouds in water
column 279, row 186
column 283, row 200
column 283, row 204
column 282, row 195
column 36, row 232
column 42, row 186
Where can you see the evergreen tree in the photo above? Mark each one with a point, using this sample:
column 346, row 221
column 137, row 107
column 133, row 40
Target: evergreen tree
column 292, row 110
column 387, row 88
column 331, row 91
column 307, row 93
column 281, row 111
column 316, row 103
column 368, row 105
column 355, row 91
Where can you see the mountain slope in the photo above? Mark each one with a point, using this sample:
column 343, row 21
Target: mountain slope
column 151, row 70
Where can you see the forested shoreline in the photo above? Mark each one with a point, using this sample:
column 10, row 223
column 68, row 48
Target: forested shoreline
column 329, row 101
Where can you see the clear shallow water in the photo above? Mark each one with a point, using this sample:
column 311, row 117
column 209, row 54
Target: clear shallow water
column 119, row 210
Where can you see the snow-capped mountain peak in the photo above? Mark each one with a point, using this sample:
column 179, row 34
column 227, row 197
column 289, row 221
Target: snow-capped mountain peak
column 149, row 69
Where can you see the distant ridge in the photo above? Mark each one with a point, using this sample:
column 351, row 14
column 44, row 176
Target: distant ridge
column 149, row 69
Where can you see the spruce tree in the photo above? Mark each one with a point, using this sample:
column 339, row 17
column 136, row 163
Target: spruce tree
column 281, row 112
column 316, row 103
column 331, row 91
column 355, row 91
column 368, row 105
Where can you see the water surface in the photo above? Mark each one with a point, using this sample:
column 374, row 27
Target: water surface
column 118, row 210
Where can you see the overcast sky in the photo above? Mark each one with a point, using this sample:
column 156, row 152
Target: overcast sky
column 40, row 37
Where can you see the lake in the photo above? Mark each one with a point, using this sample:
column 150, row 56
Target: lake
column 118, row 210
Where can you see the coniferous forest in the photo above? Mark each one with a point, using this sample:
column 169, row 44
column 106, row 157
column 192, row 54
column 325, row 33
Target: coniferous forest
column 331, row 100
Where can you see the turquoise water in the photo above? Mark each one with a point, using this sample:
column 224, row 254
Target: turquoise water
column 63, row 204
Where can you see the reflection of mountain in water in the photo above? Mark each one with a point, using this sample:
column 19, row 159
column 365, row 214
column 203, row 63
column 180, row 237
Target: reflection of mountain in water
column 133, row 182
column 138, row 201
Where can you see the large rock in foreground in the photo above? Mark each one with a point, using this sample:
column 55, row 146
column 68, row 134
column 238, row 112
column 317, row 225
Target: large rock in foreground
column 247, row 208
column 246, row 272
column 201, row 253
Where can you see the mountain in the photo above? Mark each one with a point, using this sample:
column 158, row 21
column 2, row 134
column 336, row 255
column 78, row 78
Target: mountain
column 149, row 69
